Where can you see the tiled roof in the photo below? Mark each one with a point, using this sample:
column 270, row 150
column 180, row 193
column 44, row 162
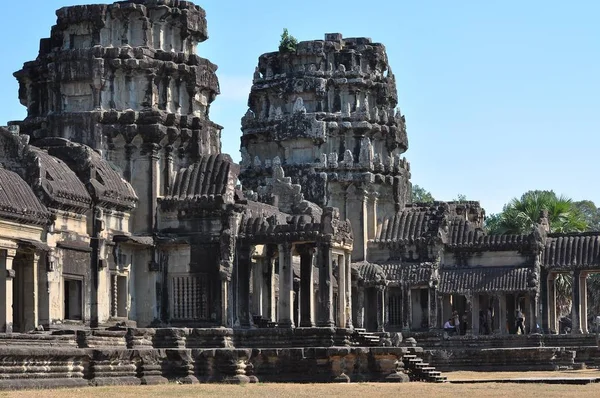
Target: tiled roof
column 269, row 228
column 213, row 178
column 411, row 274
column 59, row 183
column 104, row 183
column 572, row 250
column 411, row 225
column 484, row 279
column 371, row 274
column 462, row 234
column 108, row 185
column 18, row 202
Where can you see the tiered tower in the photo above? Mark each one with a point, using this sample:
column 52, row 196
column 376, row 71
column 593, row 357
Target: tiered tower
column 125, row 80
column 328, row 113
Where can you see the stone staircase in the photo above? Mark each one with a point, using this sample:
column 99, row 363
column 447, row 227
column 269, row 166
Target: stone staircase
column 366, row 339
column 421, row 371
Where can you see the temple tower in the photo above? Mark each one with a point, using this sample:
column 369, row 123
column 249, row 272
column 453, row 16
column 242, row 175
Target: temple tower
column 327, row 112
column 125, row 80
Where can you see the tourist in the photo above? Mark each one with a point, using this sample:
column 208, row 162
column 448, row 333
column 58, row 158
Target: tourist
column 520, row 321
column 489, row 319
column 449, row 327
column 456, row 322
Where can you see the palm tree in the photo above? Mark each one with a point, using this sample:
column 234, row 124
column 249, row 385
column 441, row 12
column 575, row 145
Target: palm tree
column 520, row 216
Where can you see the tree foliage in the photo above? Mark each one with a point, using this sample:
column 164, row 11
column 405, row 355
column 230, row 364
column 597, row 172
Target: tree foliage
column 288, row 42
column 521, row 215
column 421, row 195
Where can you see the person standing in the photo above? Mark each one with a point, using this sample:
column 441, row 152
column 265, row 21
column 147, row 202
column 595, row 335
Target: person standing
column 520, row 321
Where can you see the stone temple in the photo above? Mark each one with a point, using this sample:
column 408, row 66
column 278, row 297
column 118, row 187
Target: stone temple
column 132, row 251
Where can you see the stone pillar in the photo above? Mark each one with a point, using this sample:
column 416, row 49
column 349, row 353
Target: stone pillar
column 257, row 287
column 286, row 285
column 306, row 285
column 441, row 318
column 348, row 290
column 552, row 318
column 341, row 297
column 583, row 301
column 8, row 274
column 224, row 301
column 325, row 287
column 433, row 308
column 380, row 308
column 30, row 294
column 502, row 313
column 360, row 310
column 475, row 314
column 534, row 305
column 406, row 307
column 243, row 286
column 269, row 302
column 576, row 317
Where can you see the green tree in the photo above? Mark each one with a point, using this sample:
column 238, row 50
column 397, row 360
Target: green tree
column 421, row 195
column 288, row 42
column 521, row 215
column 590, row 213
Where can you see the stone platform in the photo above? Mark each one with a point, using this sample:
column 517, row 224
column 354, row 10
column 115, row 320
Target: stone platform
column 509, row 352
column 152, row 356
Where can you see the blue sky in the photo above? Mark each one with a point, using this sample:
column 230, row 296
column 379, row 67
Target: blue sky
column 499, row 97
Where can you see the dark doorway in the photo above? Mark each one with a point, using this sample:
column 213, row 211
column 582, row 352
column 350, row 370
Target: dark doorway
column 73, row 296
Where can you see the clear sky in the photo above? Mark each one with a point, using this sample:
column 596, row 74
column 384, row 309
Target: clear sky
column 500, row 96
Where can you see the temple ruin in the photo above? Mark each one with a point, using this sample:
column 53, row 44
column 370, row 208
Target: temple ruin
column 135, row 252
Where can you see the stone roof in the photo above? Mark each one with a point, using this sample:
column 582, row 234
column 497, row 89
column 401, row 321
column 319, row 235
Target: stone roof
column 571, row 251
column 59, row 184
column 103, row 182
column 211, row 179
column 484, row 279
column 411, row 225
column 296, row 228
column 369, row 273
column 18, row 202
column 463, row 234
column 410, row 274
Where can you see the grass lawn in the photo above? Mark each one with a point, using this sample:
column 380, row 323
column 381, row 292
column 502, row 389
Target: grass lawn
column 363, row 390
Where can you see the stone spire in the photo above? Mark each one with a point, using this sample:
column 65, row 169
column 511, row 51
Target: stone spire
column 130, row 69
column 328, row 111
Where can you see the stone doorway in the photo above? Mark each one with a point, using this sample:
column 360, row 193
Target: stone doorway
column 73, row 299
column 419, row 298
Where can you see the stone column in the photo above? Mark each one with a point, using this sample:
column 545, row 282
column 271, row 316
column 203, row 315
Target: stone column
column 225, row 297
column 30, row 302
column 576, row 317
column 8, row 274
column 286, row 284
column 269, row 308
column 502, row 313
column 552, row 328
column 433, row 308
column 534, row 301
column 406, row 307
column 243, row 286
column 360, row 310
column 583, row 301
column 257, row 287
column 356, row 210
column 475, row 314
column 380, row 308
column 348, row 290
column 341, row 279
column 306, row 285
column 325, row 287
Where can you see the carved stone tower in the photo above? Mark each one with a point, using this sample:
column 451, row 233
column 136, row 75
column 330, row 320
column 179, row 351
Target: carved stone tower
column 125, row 80
column 328, row 113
